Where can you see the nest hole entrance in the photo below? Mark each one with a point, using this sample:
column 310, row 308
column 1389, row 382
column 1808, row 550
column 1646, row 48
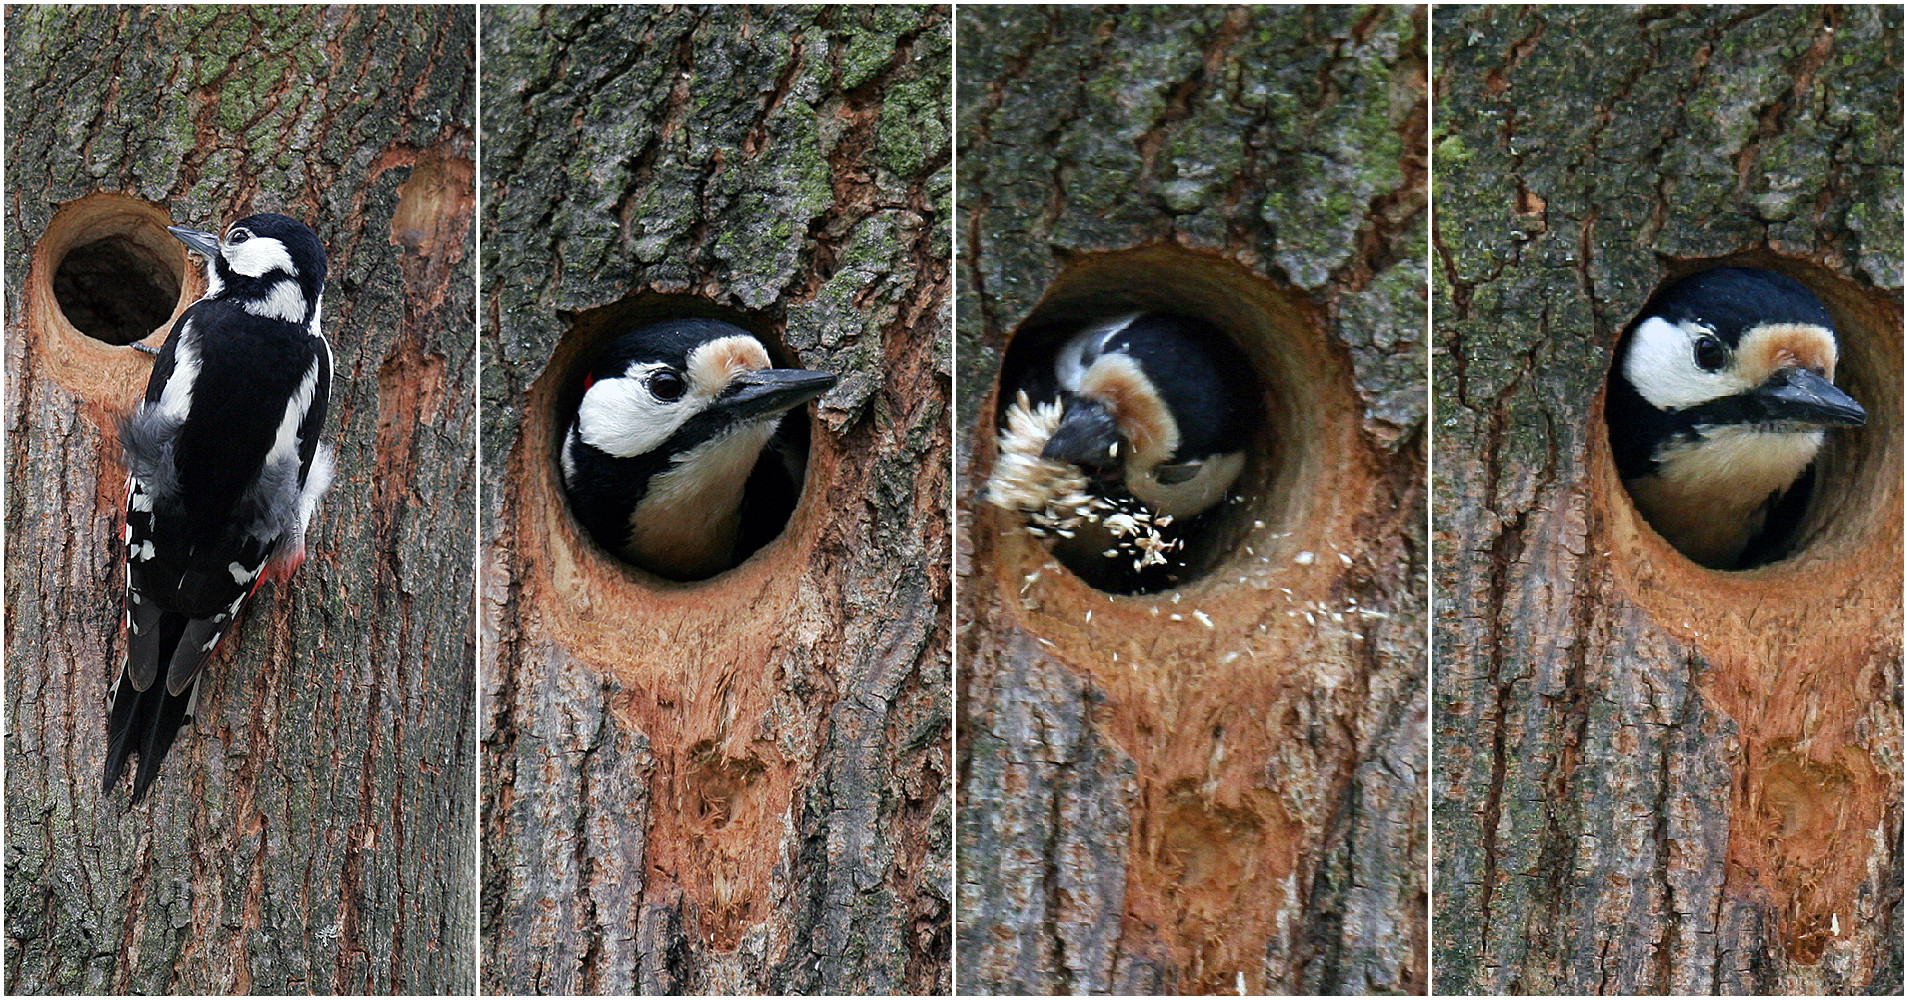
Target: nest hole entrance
column 1284, row 462
column 111, row 269
column 781, row 472
column 1836, row 509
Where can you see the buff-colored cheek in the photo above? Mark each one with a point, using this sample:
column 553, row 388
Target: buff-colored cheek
column 1771, row 348
column 713, row 365
column 1143, row 418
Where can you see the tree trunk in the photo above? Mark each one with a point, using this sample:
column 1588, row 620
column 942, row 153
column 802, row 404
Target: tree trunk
column 1651, row 777
column 1220, row 787
column 737, row 785
column 314, row 828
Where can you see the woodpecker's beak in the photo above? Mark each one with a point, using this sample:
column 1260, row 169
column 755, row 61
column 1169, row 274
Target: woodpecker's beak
column 753, row 395
column 204, row 244
column 1087, row 436
column 1799, row 396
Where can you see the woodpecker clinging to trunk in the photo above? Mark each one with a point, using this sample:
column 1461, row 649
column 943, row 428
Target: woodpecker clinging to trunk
column 675, row 433
column 1719, row 401
column 1113, row 445
column 225, row 469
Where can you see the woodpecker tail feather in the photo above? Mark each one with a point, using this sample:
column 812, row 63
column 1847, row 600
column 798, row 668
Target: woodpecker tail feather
column 146, row 720
column 146, row 723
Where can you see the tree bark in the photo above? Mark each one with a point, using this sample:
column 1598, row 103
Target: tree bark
column 737, row 785
column 1651, row 777
column 1218, row 788
column 314, row 828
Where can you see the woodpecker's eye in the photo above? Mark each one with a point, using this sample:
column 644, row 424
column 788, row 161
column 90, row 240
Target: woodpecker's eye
column 1710, row 354
column 238, row 236
column 665, row 385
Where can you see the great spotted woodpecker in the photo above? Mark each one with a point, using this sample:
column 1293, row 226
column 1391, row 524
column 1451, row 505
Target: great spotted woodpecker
column 225, row 469
column 1113, row 445
column 1718, row 403
column 667, row 444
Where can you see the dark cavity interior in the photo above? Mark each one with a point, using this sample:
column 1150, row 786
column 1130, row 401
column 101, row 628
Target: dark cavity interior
column 114, row 290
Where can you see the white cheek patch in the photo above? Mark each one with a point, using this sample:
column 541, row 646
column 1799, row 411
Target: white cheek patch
column 286, row 301
column 1661, row 365
column 713, row 365
column 619, row 416
column 258, row 256
column 1071, row 364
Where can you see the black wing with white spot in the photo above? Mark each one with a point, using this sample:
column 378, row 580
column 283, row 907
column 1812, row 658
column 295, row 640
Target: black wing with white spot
column 224, row 467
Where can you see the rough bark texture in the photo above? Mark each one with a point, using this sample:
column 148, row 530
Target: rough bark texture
column 1148, row 802
column 1653, row 778
column 314, row 830
column 738, row 785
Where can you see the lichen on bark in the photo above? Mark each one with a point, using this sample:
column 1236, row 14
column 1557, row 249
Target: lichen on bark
column 741, row 788
column 314, row 829
column 1616, row 729
column 1155, row 145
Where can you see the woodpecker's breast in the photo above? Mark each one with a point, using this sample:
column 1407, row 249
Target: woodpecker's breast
column 1708, row 496
column 687, row 523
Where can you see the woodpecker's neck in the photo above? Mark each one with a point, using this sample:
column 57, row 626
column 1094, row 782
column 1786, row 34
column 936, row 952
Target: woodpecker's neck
column 687, row 523
column 280, row 298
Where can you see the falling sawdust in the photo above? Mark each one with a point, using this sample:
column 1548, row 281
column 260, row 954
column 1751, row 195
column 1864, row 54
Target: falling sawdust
column 1053, row 498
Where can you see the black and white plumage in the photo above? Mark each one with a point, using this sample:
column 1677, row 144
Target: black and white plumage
column 225, row 468
column 1112, row 444
column 1719, row 401
column 673, row 459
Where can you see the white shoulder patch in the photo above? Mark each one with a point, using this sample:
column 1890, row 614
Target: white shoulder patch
column 284, row 446
column 569, row 457
column 175, row 399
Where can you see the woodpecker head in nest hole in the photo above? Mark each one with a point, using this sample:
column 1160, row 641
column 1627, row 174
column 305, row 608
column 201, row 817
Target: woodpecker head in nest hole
column 1721, row 397
column 675, row 458
column 1116, row 446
